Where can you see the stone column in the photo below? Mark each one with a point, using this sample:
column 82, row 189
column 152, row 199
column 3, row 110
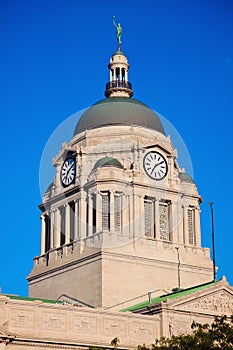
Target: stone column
column 57, row 177
column 52, row 217
column 98, row 212
column 112, row 213
column 132, row 213
column 197, row 227
column 186, row 235
column 142, row 216
column 79, row 218
column 67, row 224
column 137, row 214
column 157, row 219
column 76, row 218
column 174, row 222
column 180, row 223
column 57, row 231
column 124, row 214
column 126, row 75
column 42, row 244
column 120, row 77
column 83, row 215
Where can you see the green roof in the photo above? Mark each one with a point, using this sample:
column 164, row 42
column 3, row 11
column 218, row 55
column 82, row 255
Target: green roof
column 118, row 111
column 108, row 161
column 118, row 52
column 17, row 297
column 171, row 296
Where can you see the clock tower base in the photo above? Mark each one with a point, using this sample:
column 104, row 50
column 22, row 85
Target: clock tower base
column 108, row 277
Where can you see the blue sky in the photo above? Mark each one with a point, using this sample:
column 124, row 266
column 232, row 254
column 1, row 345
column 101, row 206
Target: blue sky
column 54, row 57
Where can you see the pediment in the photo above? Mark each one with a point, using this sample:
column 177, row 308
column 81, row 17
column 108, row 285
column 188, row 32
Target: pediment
column 158, row 146
column 216, row 300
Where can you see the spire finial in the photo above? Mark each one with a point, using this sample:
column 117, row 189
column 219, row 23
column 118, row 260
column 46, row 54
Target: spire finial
column 118, row 32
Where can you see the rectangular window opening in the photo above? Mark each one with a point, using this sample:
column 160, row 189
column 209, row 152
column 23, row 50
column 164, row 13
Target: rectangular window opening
column 106, row 211
column 117, row 212
column 149, row 222
column 191, row 226
column 164, row 220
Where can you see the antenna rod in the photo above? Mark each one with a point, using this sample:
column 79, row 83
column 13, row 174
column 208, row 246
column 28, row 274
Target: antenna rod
column 213, row 244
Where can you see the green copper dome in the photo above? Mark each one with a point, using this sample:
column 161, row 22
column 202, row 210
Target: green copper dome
column 118, row 52
column 118, row 111
column 108, row 161
column 184, row 177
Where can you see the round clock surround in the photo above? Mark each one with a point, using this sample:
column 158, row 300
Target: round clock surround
column 68, row 172
column 155, row 165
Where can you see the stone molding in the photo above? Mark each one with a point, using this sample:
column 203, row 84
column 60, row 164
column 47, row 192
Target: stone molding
column 35, row 321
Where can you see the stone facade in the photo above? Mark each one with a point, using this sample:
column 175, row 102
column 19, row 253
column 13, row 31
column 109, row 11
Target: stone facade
column 107, row 258
column 113, row 231
column 34, row 324
column 200, row 306
column 119, row 220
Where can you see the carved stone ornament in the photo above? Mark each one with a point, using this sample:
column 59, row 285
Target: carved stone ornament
column 85, row 325
column 139, row 330
column 220, row 302
column 53, row 322
column 21, row 319
column 114, row 327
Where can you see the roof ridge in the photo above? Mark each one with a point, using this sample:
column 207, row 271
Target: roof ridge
column 172, row 295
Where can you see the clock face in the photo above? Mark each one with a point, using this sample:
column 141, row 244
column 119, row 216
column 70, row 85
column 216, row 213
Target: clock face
column 68, row 171
column 155, row 165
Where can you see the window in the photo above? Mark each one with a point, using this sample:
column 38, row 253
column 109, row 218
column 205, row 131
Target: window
column 47, row 232
column 164, row 221
column 105, row 211
column 117, row 212
column 191, row 226
column 94, row 213
column 63, row 225
column 149, row 217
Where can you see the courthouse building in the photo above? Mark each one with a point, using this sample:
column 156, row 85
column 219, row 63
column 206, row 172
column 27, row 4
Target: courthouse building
column 121, row 253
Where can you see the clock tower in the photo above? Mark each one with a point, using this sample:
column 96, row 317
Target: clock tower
column 120, row 218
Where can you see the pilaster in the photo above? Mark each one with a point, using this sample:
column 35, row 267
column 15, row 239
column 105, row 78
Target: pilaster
column 67, row 224
column 52, row 216
column 185, row 220
column 197, row 227
column 83, row 213
column 57, row 230
column 76, row 219
column 112, row 211
column 157, row 219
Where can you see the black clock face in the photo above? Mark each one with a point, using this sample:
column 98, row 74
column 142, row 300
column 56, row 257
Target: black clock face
column 68, row 171
column 155, row 165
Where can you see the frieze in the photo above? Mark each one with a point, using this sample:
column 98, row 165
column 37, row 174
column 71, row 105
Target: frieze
column 115, row 327
column 53, row 322
column 85, row 325
column 219, row 303
column 141, row 330
column 21, row 319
